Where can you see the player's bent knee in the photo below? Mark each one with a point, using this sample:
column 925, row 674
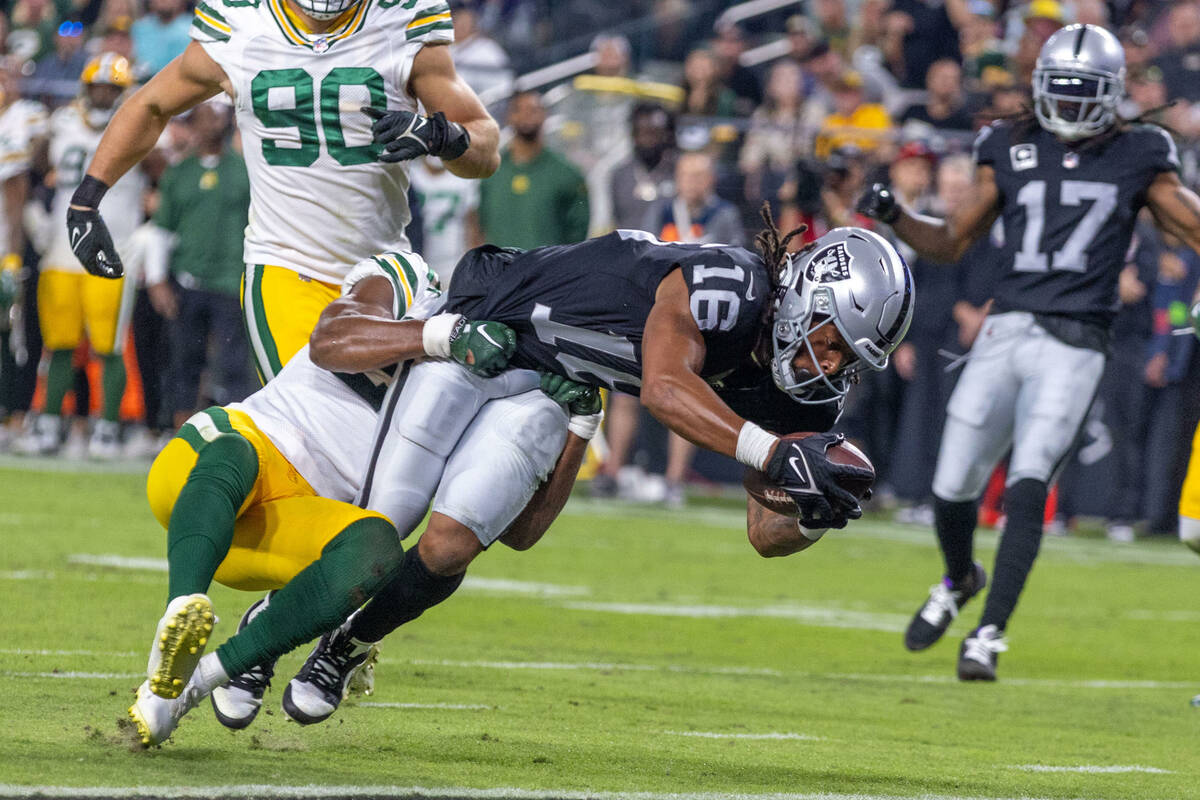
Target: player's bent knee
column 448, row 547
column 230, row 462
column 370, row 551
column 1189, row 532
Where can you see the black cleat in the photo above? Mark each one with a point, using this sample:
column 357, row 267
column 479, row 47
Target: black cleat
column 237, row 702
column 934, row 616
column 978, row 654
column 323, row 682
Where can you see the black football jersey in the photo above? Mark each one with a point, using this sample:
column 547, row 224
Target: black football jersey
column 580, row 310
column 1068, row 213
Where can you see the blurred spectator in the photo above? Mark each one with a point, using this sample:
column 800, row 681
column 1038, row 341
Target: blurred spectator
column 446, row 202
column 1146, row 92
column 917, row 361
column 823, row 69
column 802, row 36
column 845, row 177
column 117, row 38
column 1166, row 363
column 696, row 213
column 1139, row 50
column 667, row 37
column 920, row 32
column 479, row 59
column 853, row 120
column 537, row 197
column 984, row 61
column 34, row 24
column 160, row 35
column 704, row 93
column 870, row 25
column 205, row 200
column 648, row 175
column 1090, row 12
column 832, row 24
column 612, row 56
column 782, row 127
column 945, row 104
column 1042, row 18
column 1180, row 64
column 728, row 48
column 55, row 79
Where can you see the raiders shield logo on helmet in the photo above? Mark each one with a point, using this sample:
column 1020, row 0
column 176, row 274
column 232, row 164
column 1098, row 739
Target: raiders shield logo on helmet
column 829, row 265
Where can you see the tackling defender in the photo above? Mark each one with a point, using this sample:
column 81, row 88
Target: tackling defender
column 327, row 187
column 719, row 342
column 1067, row 182
column 254, row 495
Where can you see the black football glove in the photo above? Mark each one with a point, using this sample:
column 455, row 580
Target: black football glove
column 92, row 243
column 406, row 135
column 482, row 347
column 879, row 202
column 800, row 468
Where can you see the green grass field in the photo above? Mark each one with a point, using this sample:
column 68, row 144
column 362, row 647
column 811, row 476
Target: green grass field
column 632, row 653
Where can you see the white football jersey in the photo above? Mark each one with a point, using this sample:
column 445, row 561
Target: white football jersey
column 319, row 199
column 72, row 144
column 446, row 199
column 20, row 123
column 324, row 422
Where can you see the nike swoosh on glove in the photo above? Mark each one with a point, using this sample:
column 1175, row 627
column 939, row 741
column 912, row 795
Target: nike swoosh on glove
column 801, row 468
column 92, row 243
column 482, row 347
column 406, row 135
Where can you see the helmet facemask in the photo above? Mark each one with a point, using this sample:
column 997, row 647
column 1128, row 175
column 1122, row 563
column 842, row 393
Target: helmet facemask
column 1076, row 103
column 326, row 9
column 851, row 279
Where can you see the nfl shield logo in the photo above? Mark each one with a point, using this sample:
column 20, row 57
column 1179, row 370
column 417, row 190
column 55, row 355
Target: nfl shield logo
column 1070, row 159
column 320, row 45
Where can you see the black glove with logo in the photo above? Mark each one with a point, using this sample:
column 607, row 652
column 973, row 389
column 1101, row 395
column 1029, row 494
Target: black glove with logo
column 800, row 468
column 879, row 202
column 89, row 237
column 406, row 135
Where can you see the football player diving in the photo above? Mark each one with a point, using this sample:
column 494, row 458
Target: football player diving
column 723, row 345
column 1067, row 182
column 256, row 494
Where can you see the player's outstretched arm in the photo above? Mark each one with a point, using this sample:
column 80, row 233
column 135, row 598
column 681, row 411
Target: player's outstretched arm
column 944, row 241
column 359, row 332
column 1176, row 208
column 775, row 535
column 436, row 84
column 189, row 79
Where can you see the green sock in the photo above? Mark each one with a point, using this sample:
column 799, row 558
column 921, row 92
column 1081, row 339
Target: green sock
column 112, row 378
column 352, row 567
column 59, row 378
column 201, row 527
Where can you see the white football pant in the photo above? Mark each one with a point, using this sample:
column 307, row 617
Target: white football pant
column 1022, row 388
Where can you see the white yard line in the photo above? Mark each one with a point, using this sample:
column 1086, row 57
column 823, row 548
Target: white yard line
column 604, row 666
column 105, row 676
column 443, row 793
column 505, row 586
column 439, row 706
column 822, row 617
column 118, row 562
column 766, row 736
column 22, row 651
column 1093, row 768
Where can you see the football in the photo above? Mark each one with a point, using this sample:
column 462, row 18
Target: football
column 759, row 486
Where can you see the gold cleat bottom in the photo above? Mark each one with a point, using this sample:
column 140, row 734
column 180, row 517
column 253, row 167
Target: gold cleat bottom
column 181, row 645
column 143, row 730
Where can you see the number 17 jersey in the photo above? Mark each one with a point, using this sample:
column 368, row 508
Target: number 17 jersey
column 1068, row 213
column 320, row 201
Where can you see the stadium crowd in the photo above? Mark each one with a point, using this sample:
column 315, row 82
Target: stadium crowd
column 687, row 117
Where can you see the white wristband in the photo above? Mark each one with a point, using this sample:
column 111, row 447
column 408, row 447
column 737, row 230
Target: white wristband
column 585, row 426
column 435, row 336
column 812, row 534
column 754, row 446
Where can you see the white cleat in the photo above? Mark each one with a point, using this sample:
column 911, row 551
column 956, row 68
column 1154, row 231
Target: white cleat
column 105, row 443
column 42, row 439
column 156, row 718
column 179, row 643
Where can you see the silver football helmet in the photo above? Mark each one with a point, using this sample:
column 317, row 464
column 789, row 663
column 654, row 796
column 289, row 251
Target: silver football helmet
column 850, row 278
column 1078, row 81
column 326, row 9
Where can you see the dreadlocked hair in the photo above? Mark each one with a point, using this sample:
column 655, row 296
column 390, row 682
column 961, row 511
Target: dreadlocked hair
column 772, row 246
column 1024, row 122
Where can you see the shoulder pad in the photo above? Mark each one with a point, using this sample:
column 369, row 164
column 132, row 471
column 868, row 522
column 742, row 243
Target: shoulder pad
column 422, row 20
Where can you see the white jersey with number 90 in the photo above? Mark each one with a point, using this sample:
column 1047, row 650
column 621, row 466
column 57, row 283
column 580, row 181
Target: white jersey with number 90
column 319, row 199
